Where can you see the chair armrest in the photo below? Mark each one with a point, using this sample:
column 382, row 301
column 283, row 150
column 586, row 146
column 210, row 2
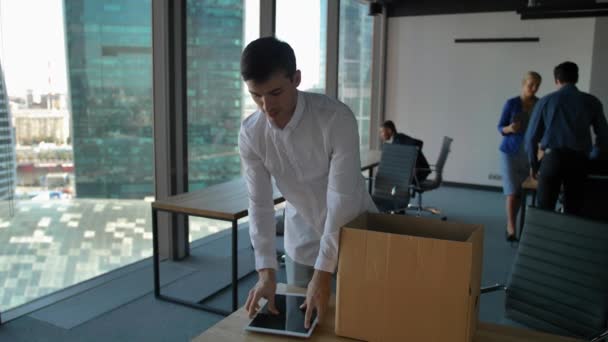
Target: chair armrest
column 600, row 337
column 492, row 288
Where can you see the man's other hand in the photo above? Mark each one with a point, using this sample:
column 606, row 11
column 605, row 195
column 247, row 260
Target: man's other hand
column 317, row 296
column 266, row 287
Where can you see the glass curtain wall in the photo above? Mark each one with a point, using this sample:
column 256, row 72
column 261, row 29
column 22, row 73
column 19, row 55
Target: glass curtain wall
column 303, row 25
column 355, row 63
column 79, row 92
column 216, row 34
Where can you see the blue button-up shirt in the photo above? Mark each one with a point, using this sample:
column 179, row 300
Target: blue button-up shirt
column 562, row 119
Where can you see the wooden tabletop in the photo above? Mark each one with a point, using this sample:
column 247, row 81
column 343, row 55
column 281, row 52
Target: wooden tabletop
column 229, row 201
column 231, row 329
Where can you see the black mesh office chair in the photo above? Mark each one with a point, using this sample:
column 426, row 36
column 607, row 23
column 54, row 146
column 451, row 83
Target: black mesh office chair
column 392, row 184
column 559, row 279
column 431, row 184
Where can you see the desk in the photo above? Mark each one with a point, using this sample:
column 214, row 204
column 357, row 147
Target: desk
column 528, row 187
column 227, row 202
column 231, row 329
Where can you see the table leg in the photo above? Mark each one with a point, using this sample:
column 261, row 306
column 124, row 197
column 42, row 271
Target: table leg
column 155, row 256
column 371, row 180
column 235, row 280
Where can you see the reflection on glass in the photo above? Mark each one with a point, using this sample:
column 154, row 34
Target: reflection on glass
column 303, row 25
column 217, row 32
column 355, row 62
column 79, row 90
column 110, row 76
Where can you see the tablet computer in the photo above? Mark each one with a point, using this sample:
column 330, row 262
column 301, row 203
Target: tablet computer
column 289, row 321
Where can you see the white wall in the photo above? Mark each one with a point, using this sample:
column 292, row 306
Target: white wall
column 599, row 76
column 436, row 87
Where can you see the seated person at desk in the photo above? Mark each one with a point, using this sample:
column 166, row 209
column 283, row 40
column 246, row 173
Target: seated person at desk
column 309, row 144
column 389, row 135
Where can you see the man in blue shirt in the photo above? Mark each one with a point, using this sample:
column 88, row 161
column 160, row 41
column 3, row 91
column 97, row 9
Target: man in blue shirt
column 560, row 123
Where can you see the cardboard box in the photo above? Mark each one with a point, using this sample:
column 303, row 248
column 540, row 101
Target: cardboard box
column 403, row 278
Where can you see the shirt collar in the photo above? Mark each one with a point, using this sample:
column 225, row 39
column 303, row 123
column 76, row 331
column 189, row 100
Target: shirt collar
column 297, row 113
column 568, row 87
column 295, row 118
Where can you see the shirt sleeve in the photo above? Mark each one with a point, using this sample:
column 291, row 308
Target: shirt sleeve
column 262, row 226
column 600, row 128
column 343, row 190
column 534, row 133
column 505, row 117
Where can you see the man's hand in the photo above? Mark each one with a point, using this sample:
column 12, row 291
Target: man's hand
column 266, row 287
column 317, row 296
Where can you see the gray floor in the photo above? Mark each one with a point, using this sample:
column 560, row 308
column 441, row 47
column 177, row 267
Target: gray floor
column 124, row 309
column 52, row 244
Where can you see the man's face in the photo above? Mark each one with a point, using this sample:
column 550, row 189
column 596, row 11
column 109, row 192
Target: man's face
column 276, row 97
column 385, row 133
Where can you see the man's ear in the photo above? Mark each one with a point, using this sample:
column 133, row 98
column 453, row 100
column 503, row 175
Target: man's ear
column 297, row 78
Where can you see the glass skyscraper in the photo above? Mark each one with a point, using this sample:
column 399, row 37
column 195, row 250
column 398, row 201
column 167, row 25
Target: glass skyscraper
column 214, row 31
column 110, row 82
column 355, row 62
column 7, row 153
column 110, row 75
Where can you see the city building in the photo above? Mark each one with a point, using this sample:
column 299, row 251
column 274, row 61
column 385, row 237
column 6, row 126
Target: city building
column 7, row 152
column 33, row 126
column 110, row 76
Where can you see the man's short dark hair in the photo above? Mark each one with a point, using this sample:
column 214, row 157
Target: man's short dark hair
column 388, row 124
column 566, row 72
column 265, row 56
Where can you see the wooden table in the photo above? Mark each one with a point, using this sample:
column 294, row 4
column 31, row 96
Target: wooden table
column 227, row 202
column 231, row 329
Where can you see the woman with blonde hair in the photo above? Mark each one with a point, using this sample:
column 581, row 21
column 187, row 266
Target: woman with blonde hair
column 514, row 162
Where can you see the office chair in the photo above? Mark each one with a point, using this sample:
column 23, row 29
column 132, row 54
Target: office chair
column 431, row 184
column 558, row 282
column 392, row 184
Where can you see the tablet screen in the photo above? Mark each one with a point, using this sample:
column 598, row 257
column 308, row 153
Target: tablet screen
column 289, row 321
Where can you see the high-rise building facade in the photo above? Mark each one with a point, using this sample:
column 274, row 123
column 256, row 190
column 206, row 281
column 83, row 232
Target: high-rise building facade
column 110, row 75
column 214, row 32
column 355, row 62
column 109, row 60
column 7, row 152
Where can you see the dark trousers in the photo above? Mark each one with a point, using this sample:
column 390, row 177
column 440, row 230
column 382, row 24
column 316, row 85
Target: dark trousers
column 562, row 167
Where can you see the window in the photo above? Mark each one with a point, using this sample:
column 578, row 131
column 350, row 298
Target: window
column 217, row 32
column 303, row 25
column 355, row 63
column 79, row 88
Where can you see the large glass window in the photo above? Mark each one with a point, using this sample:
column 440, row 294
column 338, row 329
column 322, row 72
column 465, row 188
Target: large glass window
column 303, row 24
column 79, row 97
column 355, row 63
column 217, row 32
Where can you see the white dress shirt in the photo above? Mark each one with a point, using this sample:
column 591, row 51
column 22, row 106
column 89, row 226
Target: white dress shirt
column 316, row 165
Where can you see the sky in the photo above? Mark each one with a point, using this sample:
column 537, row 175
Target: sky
column 32, row 41
column 32, row 46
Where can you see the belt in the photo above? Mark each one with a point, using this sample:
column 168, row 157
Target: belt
column 562, row 150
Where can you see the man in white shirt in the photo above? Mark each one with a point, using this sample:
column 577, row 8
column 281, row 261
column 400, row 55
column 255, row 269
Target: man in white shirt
column 309, row 144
